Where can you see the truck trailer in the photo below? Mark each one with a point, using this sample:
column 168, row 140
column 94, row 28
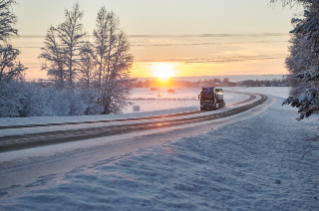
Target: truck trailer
column 211, row 98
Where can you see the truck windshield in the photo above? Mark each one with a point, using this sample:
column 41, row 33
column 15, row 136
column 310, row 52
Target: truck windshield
column 209, row 96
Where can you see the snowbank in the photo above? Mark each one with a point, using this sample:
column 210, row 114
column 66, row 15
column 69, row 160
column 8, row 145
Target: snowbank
column 254, row 164
column 282, row 92
column 147, row 108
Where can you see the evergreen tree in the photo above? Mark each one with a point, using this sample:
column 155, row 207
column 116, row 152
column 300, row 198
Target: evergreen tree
column 303, row 62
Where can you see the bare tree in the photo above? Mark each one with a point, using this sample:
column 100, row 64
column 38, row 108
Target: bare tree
column 101, row 36
column 117, row 80
column 114, row 62
column 9, row 68
column 70, row 33
column 291, row 3
column 7, row 20
column 53, row 55
column 87, row 64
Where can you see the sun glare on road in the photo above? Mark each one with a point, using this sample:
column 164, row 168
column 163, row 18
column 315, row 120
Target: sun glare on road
column 163, row 70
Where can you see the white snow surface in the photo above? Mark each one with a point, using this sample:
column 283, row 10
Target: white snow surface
column 233, row 167
column 52, row 128
column 183, row 100
column 282, row 92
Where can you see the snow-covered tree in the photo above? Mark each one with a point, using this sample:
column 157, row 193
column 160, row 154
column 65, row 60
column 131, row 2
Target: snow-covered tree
column 303, row 62
column 7, row 20
column 25, row 99
column 101, row 36
column 62, row 48
column 54, row 58
column 9, row 68
column 70, row 33
column 87, row 64
column 299, row 61
column 114, row 62
column 101, row 69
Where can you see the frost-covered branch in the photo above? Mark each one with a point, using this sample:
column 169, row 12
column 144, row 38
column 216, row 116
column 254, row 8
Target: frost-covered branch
column 52, row 53
column 113, row 62
column 87, row 64
column 70, row 33
column 7, row 20
column 303, row 61
column 9, row 68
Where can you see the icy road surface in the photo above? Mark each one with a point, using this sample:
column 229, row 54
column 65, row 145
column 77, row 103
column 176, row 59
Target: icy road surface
column 248, row 162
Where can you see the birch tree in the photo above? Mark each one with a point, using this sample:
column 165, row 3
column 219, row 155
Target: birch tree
column 9, row 68
column 7, row 20
column 87, row 64
column 101, row 36
column 114, row 62
column 54, row 58
column 70, row 33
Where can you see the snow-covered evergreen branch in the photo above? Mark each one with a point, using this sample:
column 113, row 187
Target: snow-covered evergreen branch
column 303, row 61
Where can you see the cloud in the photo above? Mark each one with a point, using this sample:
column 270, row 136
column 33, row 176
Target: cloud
column 222, row 59
column 187, row 35
column 213, row 35
column 184, row 44
column 179, row 40
column 194, row 44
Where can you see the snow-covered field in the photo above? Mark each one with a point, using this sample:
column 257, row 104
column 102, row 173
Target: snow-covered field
column 187, row 97
column 183, row 97
column 282, row 92
column 183, row 100
column 253, row 163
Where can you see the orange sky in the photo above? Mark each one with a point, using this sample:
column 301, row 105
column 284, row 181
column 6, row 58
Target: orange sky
column 191, row 56
column 196, row 38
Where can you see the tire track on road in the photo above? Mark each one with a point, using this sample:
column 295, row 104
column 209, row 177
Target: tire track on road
column 251, row 97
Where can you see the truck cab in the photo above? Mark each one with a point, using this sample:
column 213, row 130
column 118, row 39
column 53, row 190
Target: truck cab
column 211, row 98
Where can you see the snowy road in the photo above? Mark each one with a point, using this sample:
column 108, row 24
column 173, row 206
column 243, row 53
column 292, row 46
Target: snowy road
column 225, row 164
column 15, row 138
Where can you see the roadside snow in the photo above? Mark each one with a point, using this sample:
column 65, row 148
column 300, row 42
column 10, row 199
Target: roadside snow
column 184, row 97
column 183, row 100
column 192, row 93
column 282, row 92
column 148, row 108
column 254, row 164
column 61, row 119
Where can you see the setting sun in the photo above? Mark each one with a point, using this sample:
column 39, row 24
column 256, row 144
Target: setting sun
column 163, row 70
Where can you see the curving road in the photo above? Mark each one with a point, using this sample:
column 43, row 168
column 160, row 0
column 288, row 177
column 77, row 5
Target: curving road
column 119, row 126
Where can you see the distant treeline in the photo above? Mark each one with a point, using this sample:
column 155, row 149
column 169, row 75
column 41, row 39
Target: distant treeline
column 209, row 82
column 273, row 82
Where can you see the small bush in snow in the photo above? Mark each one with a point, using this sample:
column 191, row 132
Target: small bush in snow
column 22, row 99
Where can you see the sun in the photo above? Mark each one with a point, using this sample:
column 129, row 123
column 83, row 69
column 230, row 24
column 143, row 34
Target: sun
column 163, row 70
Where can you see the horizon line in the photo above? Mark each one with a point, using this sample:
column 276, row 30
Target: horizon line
column 186, row 35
